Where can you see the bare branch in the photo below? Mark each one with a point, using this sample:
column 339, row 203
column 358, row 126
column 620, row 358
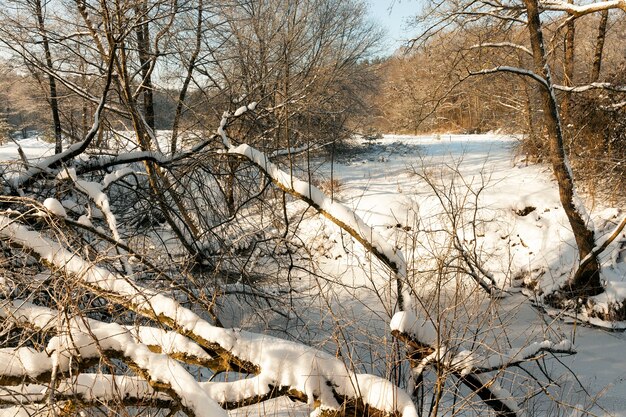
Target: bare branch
column 76, row 149
column 503, row 45
column 514, row 70
column 465, row 364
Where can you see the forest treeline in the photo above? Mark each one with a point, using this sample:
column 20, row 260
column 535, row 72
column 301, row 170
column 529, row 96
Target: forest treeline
column 323, row 79
column 424, row 87
column 438, row 85
column 311, row 71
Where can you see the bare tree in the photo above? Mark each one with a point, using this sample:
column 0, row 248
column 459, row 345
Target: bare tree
column 453, row 18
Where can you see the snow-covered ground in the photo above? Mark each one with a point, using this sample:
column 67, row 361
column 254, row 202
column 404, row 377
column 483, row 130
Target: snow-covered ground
column 524, row 237
column 507, row 217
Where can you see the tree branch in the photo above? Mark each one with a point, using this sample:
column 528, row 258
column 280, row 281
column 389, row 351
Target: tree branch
column 601, row 246
column 592, row 86
column 84, row 344
column 42, row 168
column 514, row 70
column 466, row 365
column 319, row 376
column 581, row 10
column 503, row 45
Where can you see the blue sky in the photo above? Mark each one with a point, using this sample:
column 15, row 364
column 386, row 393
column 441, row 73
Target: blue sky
column 392, row 15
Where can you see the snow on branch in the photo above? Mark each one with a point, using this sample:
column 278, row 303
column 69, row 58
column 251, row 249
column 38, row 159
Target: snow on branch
column 467, row 365
column 98, row 163
column 97, row 388
column 581, row 10
column 503, row 45
column 470, row 362
column 346, row 218
column 312, row 375
column 514, row 70
column 422, row 333
column 23, row 313
column 94, row 191
column 336, row 212
column 89, row 389
column 103, row 162
column 290, row 151
column 83, row 347
column 592, row 86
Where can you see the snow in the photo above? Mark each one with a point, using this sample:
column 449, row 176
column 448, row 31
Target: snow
column 29, row 363
column 44, row 164
column 536, row 249
column 289, row 151
column 422, row 329
column 84, row 220
column 143, row 299
column 326, row 205
column 241, row 110
column 80, row 341
column 95, row 193
column 33, row 148
column 501, row 394
column 71, row 205
column 338, row 213
column 282, row 363
column 55, row 207
column 88, row 387
column 169, row 342
column 469, row 361
column 380, row 185
column 115, row 176
column 307, row 369
column 67, row 173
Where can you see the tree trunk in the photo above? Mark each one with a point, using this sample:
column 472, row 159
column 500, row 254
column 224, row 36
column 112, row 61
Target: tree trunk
column 587, row 281
column 597, row 58
column 54, row 104
column 143, row 50
column 185, row 87
column 570, row 36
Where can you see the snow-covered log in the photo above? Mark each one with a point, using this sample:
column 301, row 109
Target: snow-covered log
column 316, row 377
column 78, row 349
column 25, row 314
column 89, row 389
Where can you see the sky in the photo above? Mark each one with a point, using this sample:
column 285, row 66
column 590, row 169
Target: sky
column 392, row 15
